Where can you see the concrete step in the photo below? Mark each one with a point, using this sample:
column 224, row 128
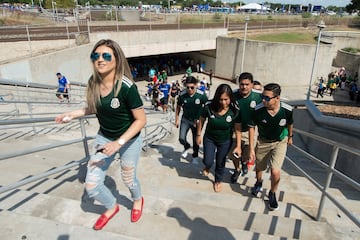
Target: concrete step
column 298, row 197
column 20, row 226
column 221, row 222
column 67, row 186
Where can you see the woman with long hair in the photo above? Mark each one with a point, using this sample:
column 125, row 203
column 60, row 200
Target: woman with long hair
column 223, row 117
column 113, row 96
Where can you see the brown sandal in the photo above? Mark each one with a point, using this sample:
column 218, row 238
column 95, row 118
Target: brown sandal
column 205, row 172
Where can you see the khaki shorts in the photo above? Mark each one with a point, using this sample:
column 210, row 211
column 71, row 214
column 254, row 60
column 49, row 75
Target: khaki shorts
column 270, row 153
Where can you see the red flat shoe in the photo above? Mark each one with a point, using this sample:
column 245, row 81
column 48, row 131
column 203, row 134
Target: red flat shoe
column 136, row 213
column 103, row 220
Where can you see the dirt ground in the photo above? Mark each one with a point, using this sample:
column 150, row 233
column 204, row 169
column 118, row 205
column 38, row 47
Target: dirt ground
column 344, row 110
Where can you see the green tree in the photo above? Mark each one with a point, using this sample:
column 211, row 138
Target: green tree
column 353, row 6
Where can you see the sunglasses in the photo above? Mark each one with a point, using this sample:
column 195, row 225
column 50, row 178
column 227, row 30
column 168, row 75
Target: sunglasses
column 190, row 87
column 267, row 98
column 95, row 56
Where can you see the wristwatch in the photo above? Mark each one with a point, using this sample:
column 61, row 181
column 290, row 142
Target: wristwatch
column 121, row 141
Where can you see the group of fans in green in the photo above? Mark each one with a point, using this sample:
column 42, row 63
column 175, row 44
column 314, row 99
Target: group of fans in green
column 245, row 125
column 113, row 97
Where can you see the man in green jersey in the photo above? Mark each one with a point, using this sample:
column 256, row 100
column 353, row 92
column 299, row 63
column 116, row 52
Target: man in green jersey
column 274, row 120
column 247, row 99
column 191, row 101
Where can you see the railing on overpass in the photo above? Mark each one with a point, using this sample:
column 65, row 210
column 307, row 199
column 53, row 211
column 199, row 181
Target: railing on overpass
column 152, row 135
column 148, row 21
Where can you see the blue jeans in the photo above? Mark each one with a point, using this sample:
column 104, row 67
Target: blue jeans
column 99, row 164
column 185, row 126
column 221, row 149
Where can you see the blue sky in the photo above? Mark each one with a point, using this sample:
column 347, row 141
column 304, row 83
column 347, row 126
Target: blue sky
column 338, row 3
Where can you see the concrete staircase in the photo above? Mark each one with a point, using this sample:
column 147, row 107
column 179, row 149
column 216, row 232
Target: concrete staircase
column 179, row 204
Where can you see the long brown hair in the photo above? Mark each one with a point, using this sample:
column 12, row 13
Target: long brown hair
column 122, row 69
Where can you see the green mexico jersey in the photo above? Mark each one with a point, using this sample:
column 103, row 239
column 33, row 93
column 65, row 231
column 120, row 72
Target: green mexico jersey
column 192, row 105
column 272, row 127
column 247, row 106
column 219, row 128
column 114, row 113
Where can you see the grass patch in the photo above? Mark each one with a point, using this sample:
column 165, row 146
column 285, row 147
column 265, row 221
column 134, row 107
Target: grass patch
column 288, row 37
column 351, row 50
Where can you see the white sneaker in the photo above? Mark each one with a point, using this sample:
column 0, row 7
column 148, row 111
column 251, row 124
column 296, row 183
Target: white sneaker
column 195, row 160
column 184, row 153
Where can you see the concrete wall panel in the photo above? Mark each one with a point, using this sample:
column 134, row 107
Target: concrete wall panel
column 75, row 65
column 286, row 64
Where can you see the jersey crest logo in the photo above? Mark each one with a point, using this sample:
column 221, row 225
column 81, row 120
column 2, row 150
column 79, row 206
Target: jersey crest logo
column 264, row 121
column 115, row 103
column 252, row 104
column 228, row 119
column 212, row 116
column 197, row 101
column 282, row 122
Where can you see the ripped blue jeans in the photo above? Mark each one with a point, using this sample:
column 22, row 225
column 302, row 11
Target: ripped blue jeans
column 96, row 171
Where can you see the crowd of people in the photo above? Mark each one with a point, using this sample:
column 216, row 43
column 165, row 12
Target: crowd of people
column 250, row 125
column 339, row 80
column 161, row 93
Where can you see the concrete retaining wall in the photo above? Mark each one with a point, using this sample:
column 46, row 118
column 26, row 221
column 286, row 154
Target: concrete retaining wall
column 286, row 64
column 74, row 62
column 350, row 60
column 347, row 163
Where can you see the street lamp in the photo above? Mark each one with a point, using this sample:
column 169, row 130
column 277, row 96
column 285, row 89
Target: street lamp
column 54, row 10
column 320, row 26
column 247, row 19
column 88, row 6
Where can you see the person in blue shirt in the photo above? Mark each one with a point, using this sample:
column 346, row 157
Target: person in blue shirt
column 165, row 89
column 202, row 86
column 63, row 88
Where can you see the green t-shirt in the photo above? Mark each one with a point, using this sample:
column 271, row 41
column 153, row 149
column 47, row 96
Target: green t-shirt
column 192, row 105
column 114, row 114
column 219, row 128
column 247, row 106
column 272, row 127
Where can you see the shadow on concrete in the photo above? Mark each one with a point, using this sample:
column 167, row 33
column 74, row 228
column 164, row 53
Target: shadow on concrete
column 171, row 159
column 88, row 203
column 199, row 228
column 63, row 237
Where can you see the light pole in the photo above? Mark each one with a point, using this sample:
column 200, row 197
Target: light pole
column 54, row 9
column 321, row 26
column 87, row 4
column 243, row 52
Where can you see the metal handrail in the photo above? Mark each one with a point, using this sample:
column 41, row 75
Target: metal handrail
column 330, row 172
column 84, row 139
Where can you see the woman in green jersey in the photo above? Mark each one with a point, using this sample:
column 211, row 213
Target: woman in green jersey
column 113, row 97
column 222, row 115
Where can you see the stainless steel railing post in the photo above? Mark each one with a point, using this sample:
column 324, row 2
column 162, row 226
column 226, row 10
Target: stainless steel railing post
column 84, row 137
column 333, row 158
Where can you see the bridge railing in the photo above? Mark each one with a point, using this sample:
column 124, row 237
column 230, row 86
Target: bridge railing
column 329, row 171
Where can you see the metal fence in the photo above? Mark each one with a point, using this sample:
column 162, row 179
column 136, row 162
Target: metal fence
column 64, row 26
